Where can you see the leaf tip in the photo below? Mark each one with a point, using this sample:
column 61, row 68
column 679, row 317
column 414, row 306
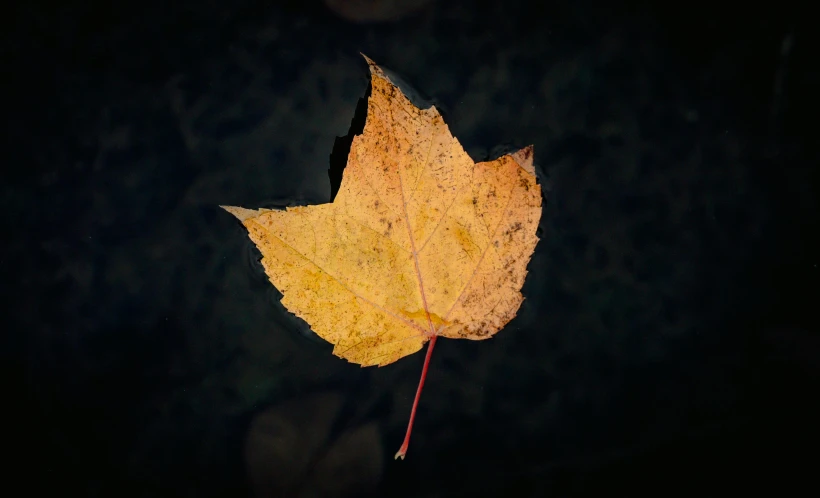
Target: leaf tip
column 368, row 59
column 524, row 159
column 374, row 68
column 241, row 213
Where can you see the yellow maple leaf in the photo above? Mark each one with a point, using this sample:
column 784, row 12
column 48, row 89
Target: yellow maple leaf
column 421, row 242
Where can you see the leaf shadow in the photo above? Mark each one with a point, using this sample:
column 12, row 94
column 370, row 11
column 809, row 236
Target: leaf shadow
column 260, row 281
column 341, row 146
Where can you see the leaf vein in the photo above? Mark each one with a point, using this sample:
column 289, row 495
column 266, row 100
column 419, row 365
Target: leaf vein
column 339, row 281
column 483, row 253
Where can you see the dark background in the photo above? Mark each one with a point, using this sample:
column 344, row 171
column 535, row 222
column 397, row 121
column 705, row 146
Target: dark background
column 669, row 341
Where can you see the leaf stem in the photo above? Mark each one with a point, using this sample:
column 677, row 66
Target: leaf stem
column 403, row 450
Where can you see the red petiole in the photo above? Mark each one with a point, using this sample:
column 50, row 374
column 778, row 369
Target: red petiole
column 403, row 450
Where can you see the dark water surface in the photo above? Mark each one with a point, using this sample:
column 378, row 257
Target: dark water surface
column 668, row 343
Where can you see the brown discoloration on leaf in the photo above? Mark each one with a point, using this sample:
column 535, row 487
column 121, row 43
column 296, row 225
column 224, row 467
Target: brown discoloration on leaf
column 420, row 240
